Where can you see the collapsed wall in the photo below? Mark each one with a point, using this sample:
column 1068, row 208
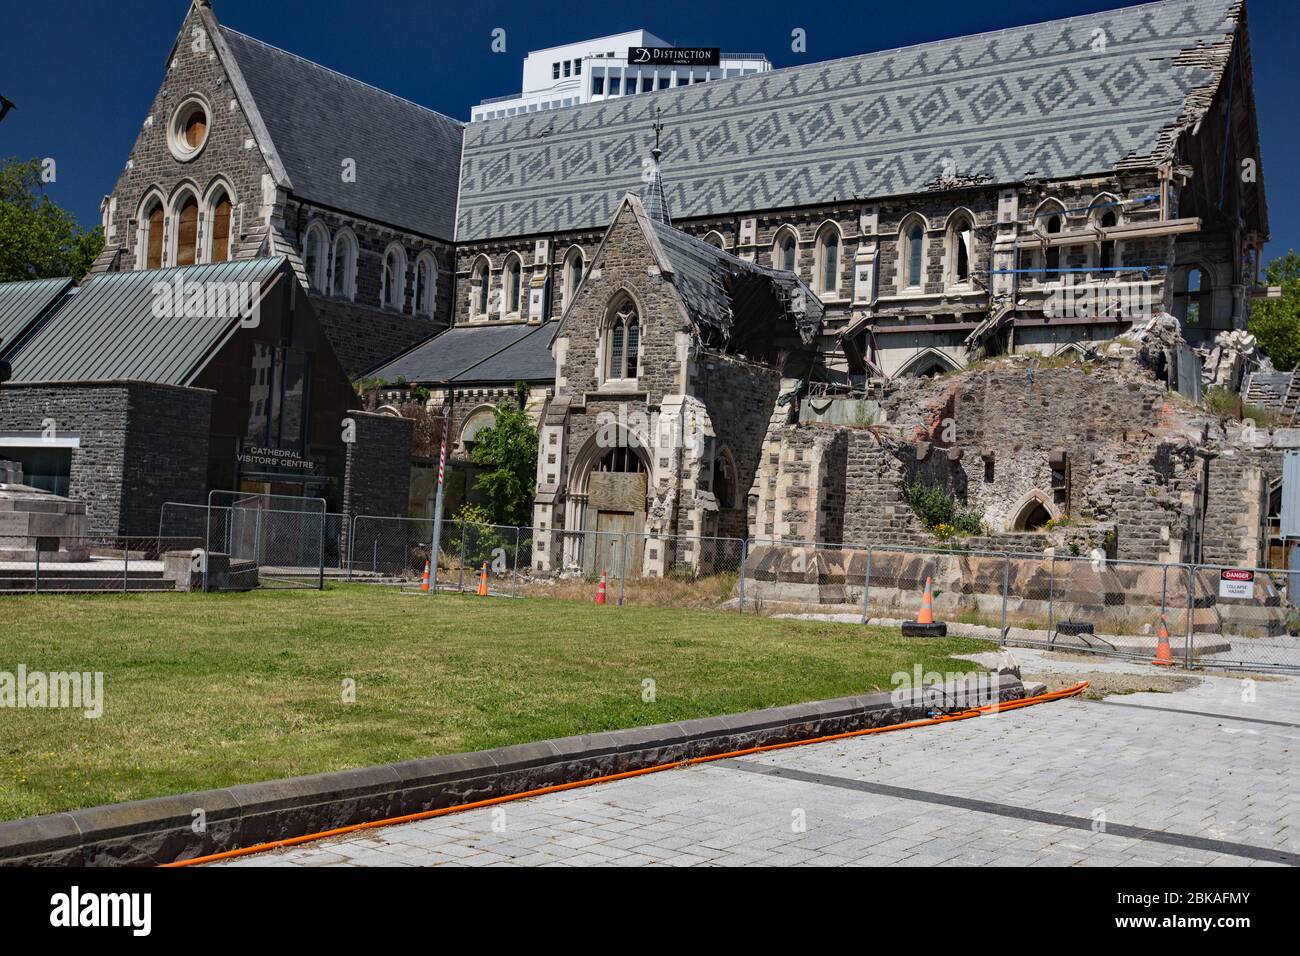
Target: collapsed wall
column 1057, row 453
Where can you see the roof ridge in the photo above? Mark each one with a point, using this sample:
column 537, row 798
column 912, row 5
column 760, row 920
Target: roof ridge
column 341, row 75
column 509, row 345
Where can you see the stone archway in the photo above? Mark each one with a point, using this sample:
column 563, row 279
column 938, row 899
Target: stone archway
column 1032, row 512
column 606, row 505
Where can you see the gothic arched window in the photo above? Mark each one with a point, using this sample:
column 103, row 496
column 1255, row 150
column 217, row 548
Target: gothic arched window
column 828, row 260
column 785, row 251
column 623, row 348
column 316, row 258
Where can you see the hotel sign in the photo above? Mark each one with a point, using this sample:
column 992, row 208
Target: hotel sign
column 674, row 55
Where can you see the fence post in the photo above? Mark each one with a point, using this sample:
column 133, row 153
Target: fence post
column 1051, row 597
column 1191, row 612
column 1164, row 588
column 464, row 526
column 352, row 544
column 126, row 564
column 866, row 588
column 622, row 567
column 744, row 549
column 514, row 572
column 38, row 568
column 1006, row 590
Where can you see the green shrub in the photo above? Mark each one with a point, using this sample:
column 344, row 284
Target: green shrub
column 939, row 512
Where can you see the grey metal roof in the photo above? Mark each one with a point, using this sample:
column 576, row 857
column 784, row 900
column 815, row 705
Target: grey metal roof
column 1049, row 100
column 527, row 360
column 107, row 331
column 22, row 303
column 456, row 353
column 407, row 157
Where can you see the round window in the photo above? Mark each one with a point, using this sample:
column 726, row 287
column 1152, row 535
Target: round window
column 189, row 129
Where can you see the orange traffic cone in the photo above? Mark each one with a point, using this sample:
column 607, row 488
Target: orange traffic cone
column 600, row 589
column 482, row 581
column 926, row 614
column 424, row 581
column 1163, row 657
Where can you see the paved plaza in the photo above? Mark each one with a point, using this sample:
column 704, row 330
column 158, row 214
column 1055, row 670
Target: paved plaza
column 1204, row 776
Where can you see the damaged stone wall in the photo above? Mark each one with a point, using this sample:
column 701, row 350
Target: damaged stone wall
column 1123, row 464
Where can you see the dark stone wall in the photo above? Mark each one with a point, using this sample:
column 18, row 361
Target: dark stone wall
column 225, row 156
column 378, row 476
column 141, row 445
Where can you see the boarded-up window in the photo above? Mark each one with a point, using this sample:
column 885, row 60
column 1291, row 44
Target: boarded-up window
column 187, row 233
column 154, row 239
column 221, row 230
column 196, row 128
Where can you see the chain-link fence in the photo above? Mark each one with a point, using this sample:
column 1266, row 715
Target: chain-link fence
column 100, row 562
column 283, row 537
column 1194, row 615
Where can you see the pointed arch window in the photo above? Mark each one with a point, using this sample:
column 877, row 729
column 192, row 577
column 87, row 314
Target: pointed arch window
column 1052, row 257
column 911, row 253
column 828, row 261
column 345, row 265
column 426, row 284
column 152, row 242
column 623, row 352
column 511, row 282
column 187, row 231
column 960, row 250
column 479, row 287
column 392, row 291
column 785, row 251
column 316, row 257
column 222, row 211
column 715, row 239
column 572, row 275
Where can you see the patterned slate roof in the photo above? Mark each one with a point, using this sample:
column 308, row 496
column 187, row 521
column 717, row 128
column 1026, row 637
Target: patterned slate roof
column 474, row 353
column 407, row 157
column 22, row 303
column 107, row 331
column 1049, row 100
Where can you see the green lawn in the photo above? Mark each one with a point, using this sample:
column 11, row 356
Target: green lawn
column 207, row 691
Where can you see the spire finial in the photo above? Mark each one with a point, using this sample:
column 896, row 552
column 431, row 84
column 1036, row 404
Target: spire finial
column 658, row 128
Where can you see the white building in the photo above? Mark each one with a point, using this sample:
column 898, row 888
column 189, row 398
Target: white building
column 591, row 70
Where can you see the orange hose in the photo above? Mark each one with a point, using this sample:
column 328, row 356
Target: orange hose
column 557, row 788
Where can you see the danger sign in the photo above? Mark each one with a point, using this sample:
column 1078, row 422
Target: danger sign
column 1236, row 583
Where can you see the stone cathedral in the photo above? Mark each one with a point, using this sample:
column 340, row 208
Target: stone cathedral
column 756, row 307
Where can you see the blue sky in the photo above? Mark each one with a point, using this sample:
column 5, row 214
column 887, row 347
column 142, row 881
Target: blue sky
column 83, row 73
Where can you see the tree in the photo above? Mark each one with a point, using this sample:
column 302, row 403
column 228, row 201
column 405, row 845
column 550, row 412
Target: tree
column 38, row 240
column 507, row 451
column 1276, row 322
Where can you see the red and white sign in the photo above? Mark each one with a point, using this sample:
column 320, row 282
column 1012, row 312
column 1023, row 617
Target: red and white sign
column 1236, row 583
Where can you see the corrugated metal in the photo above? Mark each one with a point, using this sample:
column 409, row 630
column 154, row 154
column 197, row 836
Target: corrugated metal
column 1291, row 495
column 108, row 332
column 22, row 303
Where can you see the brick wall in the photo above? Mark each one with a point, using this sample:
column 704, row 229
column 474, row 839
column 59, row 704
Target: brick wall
column 140, row 445
column 377, row 479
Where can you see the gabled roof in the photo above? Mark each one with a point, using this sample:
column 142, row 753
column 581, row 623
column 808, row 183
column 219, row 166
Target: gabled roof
column 483, row 353
column 23, row 303
column 714, row 287
column 407, row 157
column 1049, row 100
column 108, row 330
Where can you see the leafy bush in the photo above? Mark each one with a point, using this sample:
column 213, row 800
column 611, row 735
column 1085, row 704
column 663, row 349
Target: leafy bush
column 939, row 512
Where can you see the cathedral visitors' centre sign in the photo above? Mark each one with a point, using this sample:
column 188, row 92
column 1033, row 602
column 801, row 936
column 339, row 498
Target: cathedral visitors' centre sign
column 675, row 55
column 282, row 460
